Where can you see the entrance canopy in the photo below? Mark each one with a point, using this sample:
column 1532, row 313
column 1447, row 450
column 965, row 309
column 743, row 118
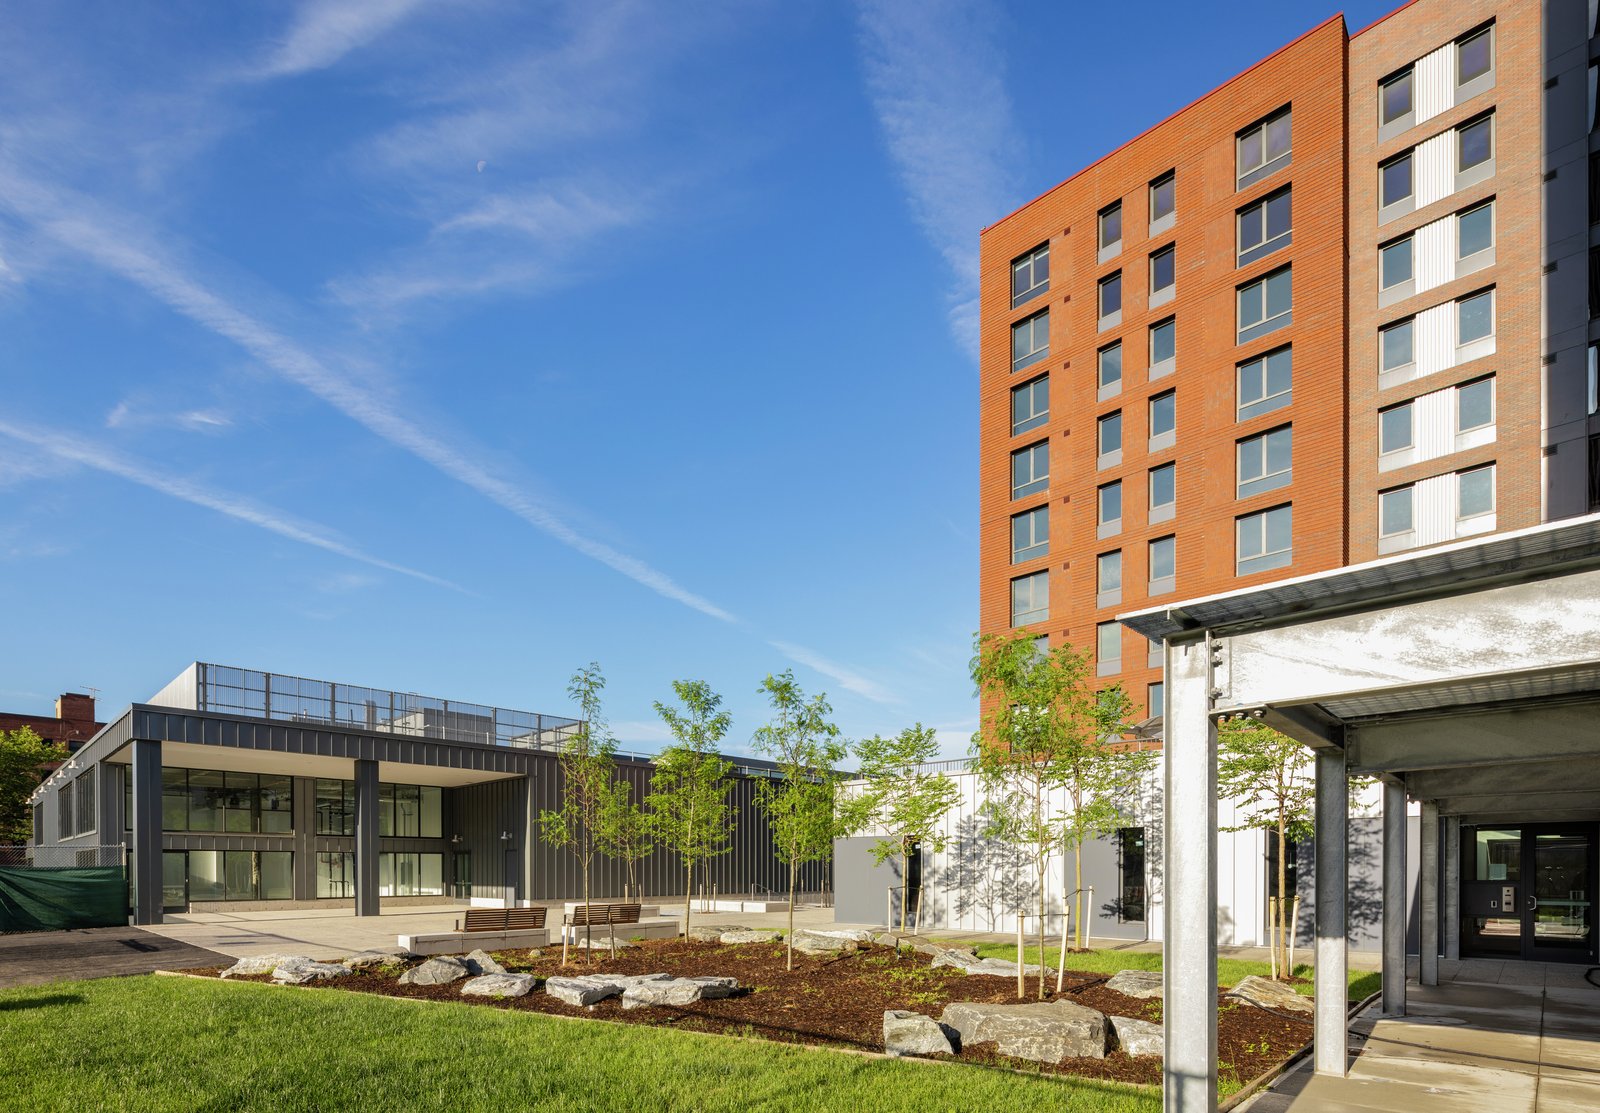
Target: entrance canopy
column 1466, row 677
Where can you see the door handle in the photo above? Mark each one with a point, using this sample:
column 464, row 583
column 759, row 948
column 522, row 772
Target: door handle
column 1533, row 904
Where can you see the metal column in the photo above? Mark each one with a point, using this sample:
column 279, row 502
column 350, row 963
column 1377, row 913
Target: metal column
column 1189, row 876
column 146, row 828
column 1428, row 893
column 366, row 778
column 1332, row 842
column 1394, row 898
column 1450, row 898
column 530, row 835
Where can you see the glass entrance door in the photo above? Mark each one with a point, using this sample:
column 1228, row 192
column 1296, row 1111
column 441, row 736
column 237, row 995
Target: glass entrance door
column 1528, row 892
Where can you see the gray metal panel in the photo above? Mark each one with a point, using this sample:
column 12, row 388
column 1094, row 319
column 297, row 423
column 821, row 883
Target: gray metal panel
column 366, row 781
column 862, row 883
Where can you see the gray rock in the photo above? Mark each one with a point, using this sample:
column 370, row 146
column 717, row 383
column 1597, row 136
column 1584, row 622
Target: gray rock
column 500, row 985
column 482, row 962
column 1268, row 994
column 590, row 989
column 1048, row 1032
column 854, row 935
column 813, row 943
column 437, row 971
column 1136, row 1037
column 677, row 991
column 969, row 963
column 598, row 943
column 262, row 964
column 299, row 971
column 712, row 933
column 750, row 935
column 1142, row 984
column 909, row 1033
column 364, row 959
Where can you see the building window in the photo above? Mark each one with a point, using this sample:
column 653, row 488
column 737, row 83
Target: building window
column 1394, row 180
column 1265, row 540
column 84, row 795
column 1030, row 275
column 1594, row 173
column 1030, row 534
column 336, row 807
column 1030, row 340
column 1041, row 646
column 1163, row 201
column 1163, row 348
column 1163, row 275
column 209, row 800
column 1030, row 598
column 1394, row 98
column 409, row 811
column 1475, row 317
column 1265, row 305
column 1108, row 579
column 1475, row 405
column 1110, row 230
column 1266, row 383
column 1265, row 461
column 1395, row 345
column 1030, row 405
column 1155, row 700
column 1110, row 299
column 1163, row 492
column 1594, row 379
column 1475, row 231
column 1475, row 492
column 1110, row 508
column 1030, row 469
column 1163, row 553
column 1475, row 143
column 1108, row 647
column 1265, row 227
column 1394, row 429
column 1163, row 420
column 1394, row 263
column 1474, row 56
column 410, row 875
column 64, row 824
column 1130, row 855
column 1264, row 147
column 1594, row 283
column 1110, row 439
column 1110, row 369
column 336, row 874
column 1395, row 511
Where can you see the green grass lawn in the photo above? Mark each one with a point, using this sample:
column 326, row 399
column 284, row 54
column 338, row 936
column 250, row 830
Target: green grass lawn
column 1362, row 983
column 149, row 1043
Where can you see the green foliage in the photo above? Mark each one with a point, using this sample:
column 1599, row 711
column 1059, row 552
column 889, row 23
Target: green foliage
column 23, row 755
column 900, row 800
column 1048, row 754
column 586, row 765
column 688, row 802
column 799, row 803
column 622, row 830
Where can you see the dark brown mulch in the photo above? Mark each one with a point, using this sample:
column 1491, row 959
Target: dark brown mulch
column 840, row 1002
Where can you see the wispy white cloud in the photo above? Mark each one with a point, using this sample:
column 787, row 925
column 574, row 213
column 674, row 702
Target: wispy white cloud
column 849, row 679
column 935, row 72
column 125, row 415
column 324, row 31
column 75, row 451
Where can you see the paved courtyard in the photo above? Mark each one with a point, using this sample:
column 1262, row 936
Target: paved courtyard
column 1512, row 1037
column 35, row 958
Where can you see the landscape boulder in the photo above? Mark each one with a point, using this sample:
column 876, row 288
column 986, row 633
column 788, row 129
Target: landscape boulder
column 750, row 935
column 364, row 959
column 969, row 963
column 1269, row 994
column 482, row 962
column 261, row 964
column 1136, row 1037
column 909, row 1033
column 712, row 933
column 1046, row 1032
column 818, row 943
column 437, row 971
column 1143, row 984
column 677, row 991
column 500, row 985
column 299, row 971
column 591, row 989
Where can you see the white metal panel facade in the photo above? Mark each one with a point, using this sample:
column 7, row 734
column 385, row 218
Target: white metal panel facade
column 1434, row 82
column 1434, row 509
column 1435, row 168
column 1435, row 339
column 1434, row 252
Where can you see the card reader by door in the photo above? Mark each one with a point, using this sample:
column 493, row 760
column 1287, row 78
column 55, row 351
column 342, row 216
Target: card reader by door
column 1508, row 897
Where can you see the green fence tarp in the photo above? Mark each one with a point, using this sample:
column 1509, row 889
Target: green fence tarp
column 57, row 899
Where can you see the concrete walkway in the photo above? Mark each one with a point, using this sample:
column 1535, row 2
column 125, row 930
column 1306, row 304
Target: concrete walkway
column 35, row 958
column 1512, row 1037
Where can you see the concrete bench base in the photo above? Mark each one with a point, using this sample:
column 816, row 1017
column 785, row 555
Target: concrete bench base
column 736, row 906
column 644, row 929
column 460, row 942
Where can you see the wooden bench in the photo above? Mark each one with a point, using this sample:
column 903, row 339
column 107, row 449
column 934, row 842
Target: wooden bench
column 502, row 919
column 609, row 914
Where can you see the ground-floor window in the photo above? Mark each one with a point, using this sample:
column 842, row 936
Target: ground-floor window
column 1130, row 855
column 336, row 874
column 404, row 874
column 207, row 875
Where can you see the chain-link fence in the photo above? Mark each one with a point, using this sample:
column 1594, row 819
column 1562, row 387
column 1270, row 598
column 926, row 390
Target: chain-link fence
column 62, row 857
column 54, row 888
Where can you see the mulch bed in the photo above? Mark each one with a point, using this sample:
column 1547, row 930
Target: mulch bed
column 839, row 1002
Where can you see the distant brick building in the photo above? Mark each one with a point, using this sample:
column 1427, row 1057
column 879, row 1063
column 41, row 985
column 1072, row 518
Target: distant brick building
column 73, row 725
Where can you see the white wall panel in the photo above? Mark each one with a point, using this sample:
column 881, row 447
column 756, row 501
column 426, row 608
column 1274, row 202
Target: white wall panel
column 1434, row 425
column 1434, row 253
column 1434, row 82
column 1435, row 509
column 1435, row 168
column 1435, row 339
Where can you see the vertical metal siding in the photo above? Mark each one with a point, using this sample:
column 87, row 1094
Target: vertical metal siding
column 1434, row 82
column 1435, row 168
column 1434, row 424
column 1435, row 509
column 1435, row 339
column 1434, row 249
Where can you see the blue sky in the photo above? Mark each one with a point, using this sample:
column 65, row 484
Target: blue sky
column 450, row 347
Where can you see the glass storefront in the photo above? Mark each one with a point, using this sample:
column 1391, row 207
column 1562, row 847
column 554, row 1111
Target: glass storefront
column 410, row 875
column 209, row 800
column 404, row 811
column 211, row 875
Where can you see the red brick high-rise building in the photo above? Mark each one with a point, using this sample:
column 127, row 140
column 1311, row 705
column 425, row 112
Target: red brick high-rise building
column 1337, row 308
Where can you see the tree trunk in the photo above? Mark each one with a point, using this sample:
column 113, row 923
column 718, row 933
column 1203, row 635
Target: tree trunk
column 688, row 896
column 1077, row 897
column 588, row 929
column 789, row 964
column 905, row 883
column 1282, row 942
column 1044, row 872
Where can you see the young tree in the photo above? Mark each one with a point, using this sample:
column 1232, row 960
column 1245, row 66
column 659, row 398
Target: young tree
column 623, row 832
column 1273, row 778
column 799, row 803
column 586, row 774
column 900, row 799
column 23, row 755
column 688, row 800
column 1047, row 735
